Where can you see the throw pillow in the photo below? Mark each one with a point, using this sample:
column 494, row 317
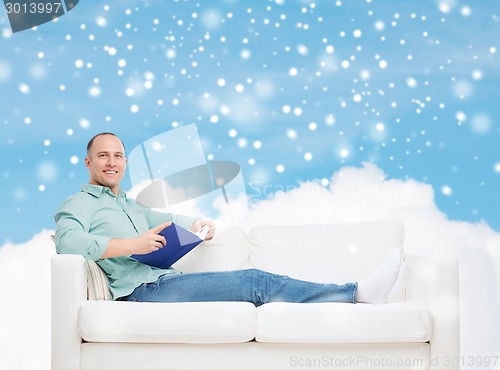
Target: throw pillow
column 97, row 283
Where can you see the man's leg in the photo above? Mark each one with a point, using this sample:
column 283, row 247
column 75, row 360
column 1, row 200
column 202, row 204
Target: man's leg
column 251, row 285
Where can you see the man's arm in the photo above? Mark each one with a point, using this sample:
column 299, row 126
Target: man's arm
column 72, row 232
column 73, row 235
column 73, row 238
column 150, row 241
column 145, row 243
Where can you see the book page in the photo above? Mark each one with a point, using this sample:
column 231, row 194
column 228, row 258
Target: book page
column 202, row 233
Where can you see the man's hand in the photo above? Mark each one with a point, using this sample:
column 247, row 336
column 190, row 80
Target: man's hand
column 145, row 243
column 150, row 241
column 198, row 224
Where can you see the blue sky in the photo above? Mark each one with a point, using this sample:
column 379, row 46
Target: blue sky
column 290, row 90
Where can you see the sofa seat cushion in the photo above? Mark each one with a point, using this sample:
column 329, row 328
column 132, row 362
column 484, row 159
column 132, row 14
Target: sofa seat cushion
column 343, row 323
column 148, row 322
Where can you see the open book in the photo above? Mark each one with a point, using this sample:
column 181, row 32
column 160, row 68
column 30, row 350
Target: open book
column 179, row 242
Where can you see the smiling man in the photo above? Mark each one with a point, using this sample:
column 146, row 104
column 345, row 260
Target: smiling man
column 106, row 161
column 102, row 224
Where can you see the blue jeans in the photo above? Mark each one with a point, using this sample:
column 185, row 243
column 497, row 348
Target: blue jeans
column 255, row 286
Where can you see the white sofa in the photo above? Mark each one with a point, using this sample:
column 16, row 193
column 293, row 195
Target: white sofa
column 417, row 329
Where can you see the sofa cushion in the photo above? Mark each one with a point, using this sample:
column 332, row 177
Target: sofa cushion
column 147, row 322
column 228, row 250
column 338, row 253
column 343, row 323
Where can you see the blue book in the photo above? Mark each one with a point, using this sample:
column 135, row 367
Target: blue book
column 179, row 242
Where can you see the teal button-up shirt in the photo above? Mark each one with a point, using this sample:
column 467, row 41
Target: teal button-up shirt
column 87, row 221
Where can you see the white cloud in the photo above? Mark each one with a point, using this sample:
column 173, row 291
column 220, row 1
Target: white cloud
column 354, row 194
column 25, row 309
column 231, row 212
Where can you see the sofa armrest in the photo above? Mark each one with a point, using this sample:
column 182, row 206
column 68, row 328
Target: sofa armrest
column 69, row 290
column 433, row 279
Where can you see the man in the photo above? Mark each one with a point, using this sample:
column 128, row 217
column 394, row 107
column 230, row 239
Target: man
column 102, row 224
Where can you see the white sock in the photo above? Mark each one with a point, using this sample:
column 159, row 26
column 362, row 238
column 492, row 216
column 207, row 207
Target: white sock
column 375, row 288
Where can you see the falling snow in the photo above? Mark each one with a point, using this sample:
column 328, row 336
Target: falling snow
column 290, row 90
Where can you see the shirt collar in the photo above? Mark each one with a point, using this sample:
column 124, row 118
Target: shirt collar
column 98, row 190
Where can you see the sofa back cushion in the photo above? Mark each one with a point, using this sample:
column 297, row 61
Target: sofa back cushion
column 228, row 250
column 343, row 252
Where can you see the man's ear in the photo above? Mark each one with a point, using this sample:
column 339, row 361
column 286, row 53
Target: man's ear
column 87, row 162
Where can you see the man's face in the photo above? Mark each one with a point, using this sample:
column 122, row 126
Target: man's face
column 106, row 162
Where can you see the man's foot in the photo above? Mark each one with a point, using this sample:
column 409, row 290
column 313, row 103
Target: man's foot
column 375, row 288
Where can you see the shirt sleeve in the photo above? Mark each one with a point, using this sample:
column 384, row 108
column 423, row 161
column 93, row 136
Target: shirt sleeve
column 72, row 231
